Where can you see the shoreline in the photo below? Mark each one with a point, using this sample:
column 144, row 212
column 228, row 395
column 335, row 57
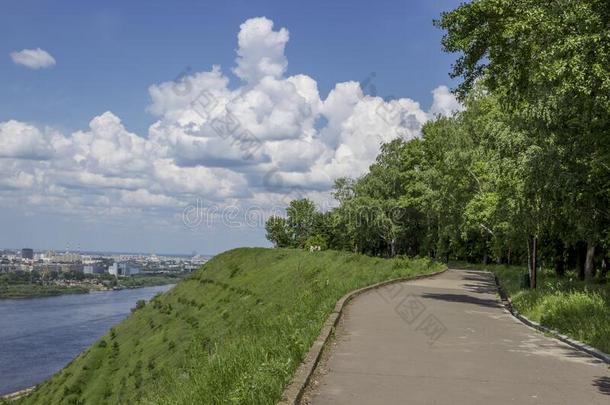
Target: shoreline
column 17, row 394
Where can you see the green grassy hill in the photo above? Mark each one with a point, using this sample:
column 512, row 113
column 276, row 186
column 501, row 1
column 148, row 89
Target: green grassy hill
column 234, row 332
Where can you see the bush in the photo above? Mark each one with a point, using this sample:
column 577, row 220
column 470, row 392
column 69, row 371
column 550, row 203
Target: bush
column 316, row 242
column 115, row 348
column 139, row 305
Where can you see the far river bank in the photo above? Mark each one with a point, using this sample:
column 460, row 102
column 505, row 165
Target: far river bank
column 37, row 290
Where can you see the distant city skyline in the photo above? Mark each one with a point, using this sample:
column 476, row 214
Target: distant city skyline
column 105, row 252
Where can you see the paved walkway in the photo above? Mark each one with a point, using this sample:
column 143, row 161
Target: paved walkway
column 448, row 340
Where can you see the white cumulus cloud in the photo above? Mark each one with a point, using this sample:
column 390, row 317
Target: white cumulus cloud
column 33, row 58
column 252, row 144
column 261, row 50
column 444, row 102
column 23, row 141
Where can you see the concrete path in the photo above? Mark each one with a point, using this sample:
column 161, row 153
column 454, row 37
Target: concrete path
column 448, row 340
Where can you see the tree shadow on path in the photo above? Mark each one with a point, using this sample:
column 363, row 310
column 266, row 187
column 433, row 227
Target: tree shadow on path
column 484, row 283
column 464, row 298
column 603, row 385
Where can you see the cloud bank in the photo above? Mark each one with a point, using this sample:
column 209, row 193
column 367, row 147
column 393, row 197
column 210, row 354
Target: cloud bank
column 270, row 138
column 33, row 58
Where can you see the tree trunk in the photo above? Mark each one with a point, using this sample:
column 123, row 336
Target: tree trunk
column 580, row 261
column 529, row 258
column 589, row 261
column 559, row 259
column 604, row 268
column 534, row 263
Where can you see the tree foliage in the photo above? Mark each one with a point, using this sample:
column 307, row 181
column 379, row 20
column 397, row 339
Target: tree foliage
column 302, row 221
column 522, row 174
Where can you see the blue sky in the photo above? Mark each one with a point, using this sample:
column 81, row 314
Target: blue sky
column 109, row 54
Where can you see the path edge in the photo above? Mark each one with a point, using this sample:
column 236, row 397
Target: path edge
column 294, row 391
column 508, row 304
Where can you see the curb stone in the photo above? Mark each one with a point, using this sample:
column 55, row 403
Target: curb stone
column 508, row 304
column 294, row 391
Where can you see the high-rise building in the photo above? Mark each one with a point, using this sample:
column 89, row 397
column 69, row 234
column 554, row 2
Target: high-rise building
column 123, row 269
column 27, row 253
column 94, row 268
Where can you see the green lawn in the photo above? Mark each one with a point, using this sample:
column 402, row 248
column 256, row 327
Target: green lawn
column 233, row 332
column 568, row 305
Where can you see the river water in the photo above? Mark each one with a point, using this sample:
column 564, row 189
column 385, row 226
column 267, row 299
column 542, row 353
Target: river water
column 39, row 336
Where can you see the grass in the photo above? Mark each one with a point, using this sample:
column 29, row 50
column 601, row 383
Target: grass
column 566, row 304
column 232, row 333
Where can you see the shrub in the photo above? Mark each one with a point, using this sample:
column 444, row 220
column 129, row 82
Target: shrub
column 316, row 242
column 115, row 348
column 139, row 305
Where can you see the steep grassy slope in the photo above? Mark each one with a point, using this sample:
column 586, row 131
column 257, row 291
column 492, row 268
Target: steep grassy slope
column 566, row 304
column 234, row 332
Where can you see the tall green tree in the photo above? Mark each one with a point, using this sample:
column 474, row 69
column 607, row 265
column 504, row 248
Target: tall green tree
column 301, row 220
column 547, row 62
column 278, row 232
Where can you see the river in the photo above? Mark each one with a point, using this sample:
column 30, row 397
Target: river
column 39, row 336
